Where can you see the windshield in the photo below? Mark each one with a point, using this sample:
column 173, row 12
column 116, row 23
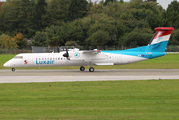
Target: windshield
column 18, row 57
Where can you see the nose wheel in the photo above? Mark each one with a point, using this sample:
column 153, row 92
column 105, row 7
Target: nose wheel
column 13, row 69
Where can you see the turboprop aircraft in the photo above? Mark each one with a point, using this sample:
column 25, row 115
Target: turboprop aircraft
column 156, row 48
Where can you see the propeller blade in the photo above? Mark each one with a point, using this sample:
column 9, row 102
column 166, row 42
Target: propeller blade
column 66, row 54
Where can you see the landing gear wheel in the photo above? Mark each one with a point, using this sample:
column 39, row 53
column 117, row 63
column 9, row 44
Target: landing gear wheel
column 82, row 68
column 13, row 69
column 91, row 69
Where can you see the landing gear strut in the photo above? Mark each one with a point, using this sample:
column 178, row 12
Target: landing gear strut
column 82, row 68
column 91, row 69
column 13, row 69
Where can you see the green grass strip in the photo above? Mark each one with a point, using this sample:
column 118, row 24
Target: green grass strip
column 140, row 100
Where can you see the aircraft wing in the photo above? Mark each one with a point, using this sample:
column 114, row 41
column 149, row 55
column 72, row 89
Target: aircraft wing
column 95, row 51
column 88, row 55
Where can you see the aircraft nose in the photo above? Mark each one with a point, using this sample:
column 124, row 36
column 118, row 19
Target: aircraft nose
column 5, row 64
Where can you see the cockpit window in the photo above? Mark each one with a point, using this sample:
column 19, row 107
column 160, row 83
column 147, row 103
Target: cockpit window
column 18, row 57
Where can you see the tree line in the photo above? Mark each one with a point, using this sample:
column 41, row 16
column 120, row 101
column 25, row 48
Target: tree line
column 84, row 23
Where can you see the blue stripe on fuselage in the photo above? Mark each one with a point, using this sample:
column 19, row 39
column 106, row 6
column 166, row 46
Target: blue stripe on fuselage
column 148, row 55
column 149, row 51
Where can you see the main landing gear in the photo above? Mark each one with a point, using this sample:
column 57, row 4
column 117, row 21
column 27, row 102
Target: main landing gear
column 91, row 69
column 82, row 68
column 13, row 69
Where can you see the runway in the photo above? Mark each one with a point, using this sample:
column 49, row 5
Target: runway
column 28, row 76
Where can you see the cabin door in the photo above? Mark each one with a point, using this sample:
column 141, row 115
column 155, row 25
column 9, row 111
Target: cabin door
column 119, row 58
column 30, row 60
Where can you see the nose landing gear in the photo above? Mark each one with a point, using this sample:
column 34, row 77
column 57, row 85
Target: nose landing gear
column 13, row 69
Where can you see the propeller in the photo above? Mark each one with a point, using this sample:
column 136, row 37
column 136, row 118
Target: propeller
column 66, row 54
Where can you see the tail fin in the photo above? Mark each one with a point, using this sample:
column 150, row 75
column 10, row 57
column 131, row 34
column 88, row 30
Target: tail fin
column 160, row 40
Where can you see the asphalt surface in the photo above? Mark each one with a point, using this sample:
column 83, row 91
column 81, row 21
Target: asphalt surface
column 26, row 76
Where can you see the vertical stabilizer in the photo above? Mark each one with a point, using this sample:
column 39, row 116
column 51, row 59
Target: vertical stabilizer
column 160, row 40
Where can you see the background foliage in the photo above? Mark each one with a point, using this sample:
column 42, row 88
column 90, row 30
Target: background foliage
column 83, row 22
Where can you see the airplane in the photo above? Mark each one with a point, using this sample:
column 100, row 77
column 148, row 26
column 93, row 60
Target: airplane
column 156, row 48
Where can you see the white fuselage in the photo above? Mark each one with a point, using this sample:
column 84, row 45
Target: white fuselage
column 76, row 59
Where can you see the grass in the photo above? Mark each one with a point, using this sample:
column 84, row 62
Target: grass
column 170, row 61
column 152, row 99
